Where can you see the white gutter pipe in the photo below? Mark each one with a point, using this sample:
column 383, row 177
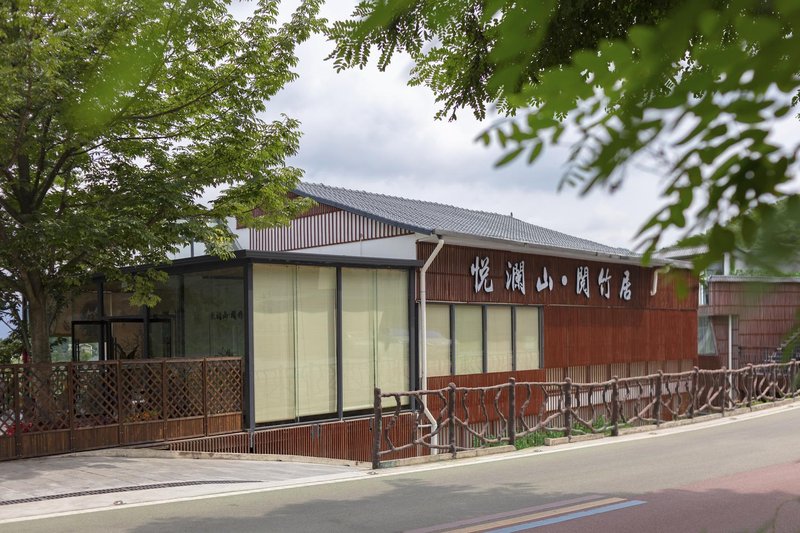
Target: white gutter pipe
column 423, row 342
column 656, row 272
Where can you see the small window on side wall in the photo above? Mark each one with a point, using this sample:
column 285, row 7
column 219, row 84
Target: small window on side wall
column 527, row 338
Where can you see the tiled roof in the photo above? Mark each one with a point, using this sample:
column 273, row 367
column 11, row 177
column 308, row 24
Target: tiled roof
column 430, row 217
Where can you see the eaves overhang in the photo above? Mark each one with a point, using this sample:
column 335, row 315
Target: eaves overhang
column 463, row 239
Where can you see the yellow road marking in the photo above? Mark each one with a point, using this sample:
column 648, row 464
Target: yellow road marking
column 535, row 516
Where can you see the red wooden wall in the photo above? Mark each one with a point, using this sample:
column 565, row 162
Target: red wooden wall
column 578, row 330
column 764, row 314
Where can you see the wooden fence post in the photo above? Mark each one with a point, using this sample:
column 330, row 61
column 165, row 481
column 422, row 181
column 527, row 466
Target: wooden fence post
column 615, row 406
column 750, row 385
column 71, row 403
column 724, row 398
column 657, row 405
column 567, row 391
column 121, row 408
column 512, row 411
column 695, row 380
column 773, row 382
column 451, row 417
column 206, row 413
column 18, row 411
column 376, row 429
column 164, row 410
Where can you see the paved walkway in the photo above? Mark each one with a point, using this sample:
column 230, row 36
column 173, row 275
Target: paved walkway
column 32, row 488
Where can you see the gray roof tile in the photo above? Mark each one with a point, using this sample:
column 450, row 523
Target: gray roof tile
column 430, row 217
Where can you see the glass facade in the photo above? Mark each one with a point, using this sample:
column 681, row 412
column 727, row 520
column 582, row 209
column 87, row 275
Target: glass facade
column 438, row 318
column 295, row 335
column 512, row 334
column 200, row 314
column 527, row 338
column 469, row 339
column 294, row 339
column 374, row 334
column 498, row 338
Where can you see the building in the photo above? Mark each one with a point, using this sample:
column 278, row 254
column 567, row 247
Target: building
column 327, row 308
column 743, row 318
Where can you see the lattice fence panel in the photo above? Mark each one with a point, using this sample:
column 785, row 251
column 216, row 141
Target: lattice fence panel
column 141, row 391
column 184, row 389
column 44, row 396
column 8, row 378
column 95, row 394
column 224, row 376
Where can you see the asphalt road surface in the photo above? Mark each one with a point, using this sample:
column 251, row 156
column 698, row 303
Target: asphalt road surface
column 737, row 476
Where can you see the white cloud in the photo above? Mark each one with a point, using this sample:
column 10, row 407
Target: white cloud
column 368, row 130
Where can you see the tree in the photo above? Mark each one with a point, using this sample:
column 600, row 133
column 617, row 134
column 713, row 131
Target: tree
column 116, row 117
column 695, row 85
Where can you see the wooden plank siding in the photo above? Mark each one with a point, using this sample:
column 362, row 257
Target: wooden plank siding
column 577, row 330
column 764, row 314
column 322, row 226
column 449, row 280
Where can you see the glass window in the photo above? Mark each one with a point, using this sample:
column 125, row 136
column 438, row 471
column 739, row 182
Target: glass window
column 117, row 302
column 273, row 341
column 391, row 314
column 213, row 321
column 706, row 343
column 498, row 338
column 469, row 339
column 294, row 331
column 527, row 338
column 315, row 327
column 438, row 339
column 374, row 334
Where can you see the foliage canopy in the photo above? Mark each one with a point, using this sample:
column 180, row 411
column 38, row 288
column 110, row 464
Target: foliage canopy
column 695, row 85
column 116, row 117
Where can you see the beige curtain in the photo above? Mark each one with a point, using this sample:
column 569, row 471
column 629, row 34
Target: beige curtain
column 527, row 338
column 438, row 339
column 294, row 334
column 469, row 339
column 374, row 334
column 498, row 337
column 274, row 342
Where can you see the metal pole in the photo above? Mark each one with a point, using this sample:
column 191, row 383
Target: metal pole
column 423, row 343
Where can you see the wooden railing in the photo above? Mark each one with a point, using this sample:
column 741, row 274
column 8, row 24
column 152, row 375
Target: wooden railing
column 463, row 418
column 56, row 408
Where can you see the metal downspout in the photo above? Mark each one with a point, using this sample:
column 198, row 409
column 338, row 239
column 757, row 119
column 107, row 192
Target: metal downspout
column 423, row 342
column 663, row 270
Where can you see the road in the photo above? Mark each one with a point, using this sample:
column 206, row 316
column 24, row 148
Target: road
column 742, row 475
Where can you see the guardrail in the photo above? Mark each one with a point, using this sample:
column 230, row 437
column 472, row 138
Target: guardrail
column 467, row 418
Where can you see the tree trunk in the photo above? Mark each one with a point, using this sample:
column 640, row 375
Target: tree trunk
column 38, row 321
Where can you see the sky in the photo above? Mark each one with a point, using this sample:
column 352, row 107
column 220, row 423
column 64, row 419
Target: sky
column 368, row 130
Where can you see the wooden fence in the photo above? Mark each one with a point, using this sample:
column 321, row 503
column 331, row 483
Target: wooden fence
column 462, row 418
column 56, row 408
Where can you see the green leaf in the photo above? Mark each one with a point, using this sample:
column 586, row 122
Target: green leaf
column 509, row 157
